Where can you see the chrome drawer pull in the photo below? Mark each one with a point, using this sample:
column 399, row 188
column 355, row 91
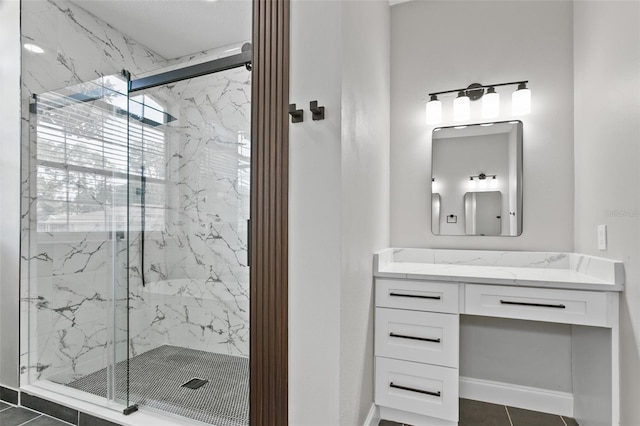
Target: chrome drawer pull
column 423, row 339
column 391, row 385
column 540, row 305
column 417, row 296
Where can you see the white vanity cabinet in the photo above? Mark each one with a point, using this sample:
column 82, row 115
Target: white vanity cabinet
column 416, row 346
column 418, row 303
column 594, row 308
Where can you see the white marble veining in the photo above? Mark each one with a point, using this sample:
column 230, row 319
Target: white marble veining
column 196, row 279
column 482, row 257
column 66, row 276
column 196, row 264
column 533, row 269
column 601, row 268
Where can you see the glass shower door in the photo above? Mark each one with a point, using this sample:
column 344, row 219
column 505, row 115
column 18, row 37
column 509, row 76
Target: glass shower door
column 75, row 211
column 189, row 188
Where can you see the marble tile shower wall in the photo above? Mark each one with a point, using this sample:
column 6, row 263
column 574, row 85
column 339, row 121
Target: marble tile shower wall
column 196, row 294
column 65, row 277
column 195, row 265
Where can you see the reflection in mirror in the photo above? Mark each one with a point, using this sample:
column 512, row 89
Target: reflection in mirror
column 482, row 213
column 435, row 213
column 477, row 174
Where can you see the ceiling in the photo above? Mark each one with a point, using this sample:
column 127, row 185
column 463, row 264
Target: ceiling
column 175, row 28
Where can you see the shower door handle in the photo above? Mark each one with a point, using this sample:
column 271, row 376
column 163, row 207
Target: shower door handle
column 249, row 242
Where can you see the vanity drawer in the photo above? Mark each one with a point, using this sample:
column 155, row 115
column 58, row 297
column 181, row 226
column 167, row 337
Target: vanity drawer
column 417, row 295
column 419, row 388
column 417, row 336
column 538, row 304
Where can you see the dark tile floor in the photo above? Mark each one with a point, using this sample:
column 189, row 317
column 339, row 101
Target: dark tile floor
column 472, row 413
column 18, row 416
column 476, row 413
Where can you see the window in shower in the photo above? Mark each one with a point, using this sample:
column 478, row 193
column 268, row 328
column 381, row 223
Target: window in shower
column 83, row 138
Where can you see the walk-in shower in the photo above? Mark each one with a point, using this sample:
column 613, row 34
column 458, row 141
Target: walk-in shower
column 135, row 284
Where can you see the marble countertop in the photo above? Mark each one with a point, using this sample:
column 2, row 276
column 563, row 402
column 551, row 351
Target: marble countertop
column 528, row 269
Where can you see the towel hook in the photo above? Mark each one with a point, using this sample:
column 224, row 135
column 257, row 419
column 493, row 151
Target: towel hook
column 317, row 112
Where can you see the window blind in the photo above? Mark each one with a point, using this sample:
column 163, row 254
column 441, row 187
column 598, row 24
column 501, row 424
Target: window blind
column 87, row 146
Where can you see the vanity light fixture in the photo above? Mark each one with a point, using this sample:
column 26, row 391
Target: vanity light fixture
column 435, row 186
column 491, row 103
column 434, row 110
column 461, row 107
column 482, row 176
column 521, row 101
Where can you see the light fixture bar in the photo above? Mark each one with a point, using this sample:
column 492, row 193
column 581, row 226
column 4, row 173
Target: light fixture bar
column 482, row 176
column 480, row 86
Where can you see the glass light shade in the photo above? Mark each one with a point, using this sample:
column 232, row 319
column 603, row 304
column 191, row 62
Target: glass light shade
column 461, row 108
column 521, row 101
column 434, row 112
column 491, row 105
column 435, row 186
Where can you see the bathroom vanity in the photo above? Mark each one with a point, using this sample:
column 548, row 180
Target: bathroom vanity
column 420, row 295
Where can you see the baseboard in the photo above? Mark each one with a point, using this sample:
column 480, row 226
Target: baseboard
column 373, row 418
column 406, row 417
column 9, row 395
column 536, row 399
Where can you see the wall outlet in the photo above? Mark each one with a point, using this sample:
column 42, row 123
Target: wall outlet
column 602, row 237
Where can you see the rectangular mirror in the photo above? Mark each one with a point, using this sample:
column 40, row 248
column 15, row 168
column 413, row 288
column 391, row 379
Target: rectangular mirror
column 476, row 179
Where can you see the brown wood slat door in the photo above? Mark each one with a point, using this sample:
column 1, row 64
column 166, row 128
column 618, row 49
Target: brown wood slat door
column 269, row 213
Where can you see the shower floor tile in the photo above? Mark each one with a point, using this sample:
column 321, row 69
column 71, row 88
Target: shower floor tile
column 156, row 378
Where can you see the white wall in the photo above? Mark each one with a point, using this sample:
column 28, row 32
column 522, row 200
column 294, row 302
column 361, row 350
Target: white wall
column 338, row 205
column 442, row 45
column 9, row 188
column 607, row 154
column 314, row 215
column 365, row 193
column 437, row 46
column 517, row 348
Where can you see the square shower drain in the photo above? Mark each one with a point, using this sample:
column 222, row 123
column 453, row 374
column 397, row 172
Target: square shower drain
column 195, row 383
